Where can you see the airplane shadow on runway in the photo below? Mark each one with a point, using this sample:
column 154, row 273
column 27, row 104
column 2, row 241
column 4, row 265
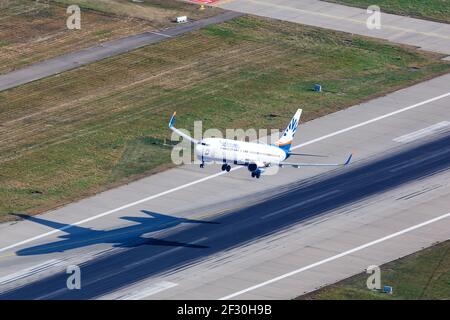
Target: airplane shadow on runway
column 125, row 237
column 331, row 193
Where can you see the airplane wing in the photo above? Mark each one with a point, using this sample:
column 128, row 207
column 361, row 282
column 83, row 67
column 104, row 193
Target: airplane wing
column 298, row 165
column 179, row 132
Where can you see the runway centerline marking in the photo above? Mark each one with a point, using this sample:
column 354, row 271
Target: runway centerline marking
column 387, row 115
column 184, row 186
column 335, row 257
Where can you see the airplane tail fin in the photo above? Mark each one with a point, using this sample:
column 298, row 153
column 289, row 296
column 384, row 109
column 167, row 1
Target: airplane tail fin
column 286, row 139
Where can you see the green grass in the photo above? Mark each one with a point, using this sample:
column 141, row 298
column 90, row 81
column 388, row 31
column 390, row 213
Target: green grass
column 71, row 135
column 140, row 155
column 422, row 275
column 3, row 43
column 438, row 10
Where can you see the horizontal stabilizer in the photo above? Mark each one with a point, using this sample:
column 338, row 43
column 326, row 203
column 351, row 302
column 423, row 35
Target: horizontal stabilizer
column 307, row 155
column 298, row 165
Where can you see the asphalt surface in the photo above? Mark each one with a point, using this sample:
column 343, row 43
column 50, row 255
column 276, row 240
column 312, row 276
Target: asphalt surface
column 192, row 233
column 427, row 35
column 107, row 274
column 109, row 49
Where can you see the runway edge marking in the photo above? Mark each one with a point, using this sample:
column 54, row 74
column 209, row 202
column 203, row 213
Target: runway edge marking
column 158, row 195
column 335, row 257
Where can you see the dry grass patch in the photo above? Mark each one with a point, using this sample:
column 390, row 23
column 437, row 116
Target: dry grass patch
column 103, row 124
column 32, row 31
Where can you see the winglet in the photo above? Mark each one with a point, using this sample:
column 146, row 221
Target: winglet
column 348, row 160
column 172, row 120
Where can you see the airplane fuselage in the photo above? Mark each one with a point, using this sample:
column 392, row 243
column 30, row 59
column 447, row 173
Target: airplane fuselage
column 256, row 156
column 238, row 152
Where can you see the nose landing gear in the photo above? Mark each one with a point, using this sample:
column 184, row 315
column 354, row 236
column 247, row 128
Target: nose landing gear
column 226, row 167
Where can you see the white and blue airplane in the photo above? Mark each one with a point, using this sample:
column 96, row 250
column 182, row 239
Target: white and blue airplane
column 257, row 157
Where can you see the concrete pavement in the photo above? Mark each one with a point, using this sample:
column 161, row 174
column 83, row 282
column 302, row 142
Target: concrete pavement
column 195, row 261
column 427, row 35
column 191, row 233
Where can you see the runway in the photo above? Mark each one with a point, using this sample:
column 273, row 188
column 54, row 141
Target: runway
column 106, row 50
column 427, row 35
column 211, row 235
column 145, row 258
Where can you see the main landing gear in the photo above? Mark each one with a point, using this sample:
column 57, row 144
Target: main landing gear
column 226, row 167
column 256, row 174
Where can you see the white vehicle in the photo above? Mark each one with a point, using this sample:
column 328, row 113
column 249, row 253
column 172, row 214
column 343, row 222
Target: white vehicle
column 182, row 19
column 256, row 156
